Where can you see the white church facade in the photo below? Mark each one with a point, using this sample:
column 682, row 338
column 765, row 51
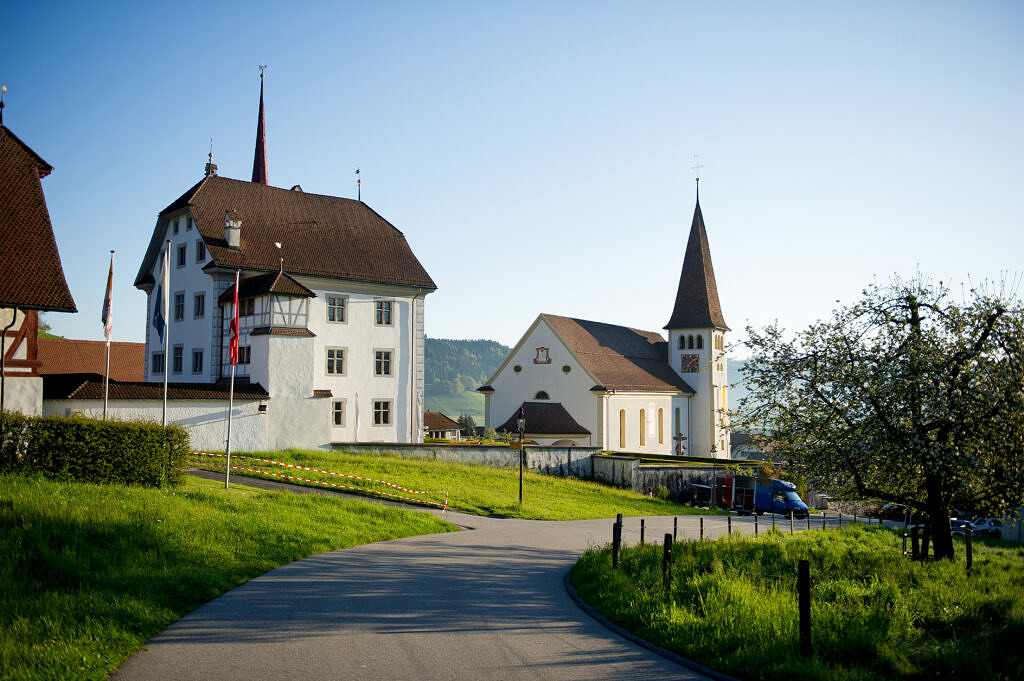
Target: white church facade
column 585, row 383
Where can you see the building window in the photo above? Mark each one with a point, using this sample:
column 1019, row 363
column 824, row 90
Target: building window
column 197, row 361
column 643, row 427
column 158, row 362
column 177, row 359
column 244, row 354
column 188, row 224
column 336, row 308
column 247, row 307
column 622, row 429
column 682, row 342
column 689, row 343
column 383, row 312
column 182, row 254
column 179, row 306
column 336, row 361
column 200, row 250
column 700, row 342
column 542, row 395
column 661, row 426
column 174, row 224
column 382, row 362
column 199, row 308
column 338, row 413
column 382, row 412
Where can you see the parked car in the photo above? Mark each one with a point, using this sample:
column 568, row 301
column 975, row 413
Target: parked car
column 892, row 512
column 959, row 525
column 987, row 527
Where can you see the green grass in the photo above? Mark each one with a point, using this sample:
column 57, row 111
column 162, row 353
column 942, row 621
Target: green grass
column 89, row 572
column 477, row 489
column 875, row 614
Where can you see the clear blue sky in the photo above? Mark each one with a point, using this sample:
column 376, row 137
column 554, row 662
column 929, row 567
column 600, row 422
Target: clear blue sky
column 537, row 155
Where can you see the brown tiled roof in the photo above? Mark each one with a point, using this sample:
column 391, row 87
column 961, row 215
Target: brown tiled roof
column 544, row 418
column 435, row 420
column 271, row 282
column 85, row 386
column 697, row 305
column 281, row 331
column 66, row 356
column 320, row 235
column 620, row 358
column 31, row 275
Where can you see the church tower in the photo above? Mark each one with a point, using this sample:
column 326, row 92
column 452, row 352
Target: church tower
column 696, row 347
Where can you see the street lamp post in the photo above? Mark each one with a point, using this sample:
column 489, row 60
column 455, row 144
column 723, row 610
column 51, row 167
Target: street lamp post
column 521, row 421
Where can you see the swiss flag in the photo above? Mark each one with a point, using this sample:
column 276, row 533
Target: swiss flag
column 233, row 350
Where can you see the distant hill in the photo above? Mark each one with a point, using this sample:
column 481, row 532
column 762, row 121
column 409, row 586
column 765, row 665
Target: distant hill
column 454, row 369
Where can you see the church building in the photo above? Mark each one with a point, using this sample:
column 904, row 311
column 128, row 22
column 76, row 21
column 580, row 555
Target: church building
column 585, row 383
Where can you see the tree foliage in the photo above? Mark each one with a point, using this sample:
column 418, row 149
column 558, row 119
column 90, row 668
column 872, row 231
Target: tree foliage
column 904, row 396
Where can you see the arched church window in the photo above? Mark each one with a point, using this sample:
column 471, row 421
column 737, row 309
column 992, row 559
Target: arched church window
column 682, row 342
column 661, row 426
column 690, row 342
column 541, row 395
column 622, row 429
column 643, row 427
column 700, row 342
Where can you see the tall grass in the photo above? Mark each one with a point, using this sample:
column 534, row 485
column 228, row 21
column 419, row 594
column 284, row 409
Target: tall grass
column 472, row 488
column 875, row 614
column 89, row 572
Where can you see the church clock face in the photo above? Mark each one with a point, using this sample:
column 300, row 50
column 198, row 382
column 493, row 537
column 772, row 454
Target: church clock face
column 689, row 363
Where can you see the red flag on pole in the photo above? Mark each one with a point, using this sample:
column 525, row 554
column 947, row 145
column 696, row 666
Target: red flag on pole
column 107, row 299
column 233, row 351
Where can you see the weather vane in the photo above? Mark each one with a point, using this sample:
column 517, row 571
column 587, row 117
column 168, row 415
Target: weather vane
column 263, row 67
column 359, row 186
column 696, row 169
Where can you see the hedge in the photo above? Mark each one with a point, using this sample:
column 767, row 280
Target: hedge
column 89, row 450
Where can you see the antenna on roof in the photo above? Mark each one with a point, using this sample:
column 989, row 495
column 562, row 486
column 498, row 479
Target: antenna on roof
column 280, row 257
column 696, row 169
column 359, row 186
column 3, row 91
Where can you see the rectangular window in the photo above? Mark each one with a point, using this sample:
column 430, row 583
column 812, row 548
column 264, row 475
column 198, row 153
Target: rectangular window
column 336, row 361
column 188, row 224
column 200, row 250
column 182, row 254
column 336, row 308
column 179, row 306
column 199, row 307
column 338, row 413
column 244, row 354
column 197, row 361
column 382, row 412
column 174, row 224
column 247, row 307
column 177, row 359
column 383, row 312
column 158, row 362
column 382, row 362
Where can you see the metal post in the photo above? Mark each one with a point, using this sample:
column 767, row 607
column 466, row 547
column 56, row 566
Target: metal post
column 643, row 527
column 840, row 520
column 808, row 520
column 616, row 542
column 823, row 520
column 755, row 524
column 791, row 514
column 729, row 521
column 675, row 528
column 702, row 528
column 666, row 565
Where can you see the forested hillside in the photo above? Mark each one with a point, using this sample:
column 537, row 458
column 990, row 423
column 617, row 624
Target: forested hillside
column 454, row 369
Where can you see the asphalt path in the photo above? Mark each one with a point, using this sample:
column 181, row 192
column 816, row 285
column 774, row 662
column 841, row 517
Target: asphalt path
column 489, row 602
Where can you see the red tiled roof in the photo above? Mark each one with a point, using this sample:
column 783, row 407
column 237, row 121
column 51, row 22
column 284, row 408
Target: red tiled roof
column 324, row 236
column 31, row 274
column 544, row 418
column 85, row 386
column 435, row 420
column 697, row 305
column 67, row 356
column 620, row 358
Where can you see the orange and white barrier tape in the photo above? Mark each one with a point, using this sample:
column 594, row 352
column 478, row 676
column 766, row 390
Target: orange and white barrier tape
column 443, row 506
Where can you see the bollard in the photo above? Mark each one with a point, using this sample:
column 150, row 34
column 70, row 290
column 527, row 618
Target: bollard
column 915, row 548
column 808, row 519
column 616, row 542
column 968, row 542
column 823, row 520
column 729, row 522
column 791, row 514
column 675, row 528
column 702, row 528
column 840, row 520
column 803, row 588
column 666, row 566
column 755, row 524
column 643, row 527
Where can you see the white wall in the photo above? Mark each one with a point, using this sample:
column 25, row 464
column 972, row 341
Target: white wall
column 710, row 404
column 22, row 393
column 205, row 420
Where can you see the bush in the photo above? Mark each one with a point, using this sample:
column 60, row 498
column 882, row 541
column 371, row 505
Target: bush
column 89, row 450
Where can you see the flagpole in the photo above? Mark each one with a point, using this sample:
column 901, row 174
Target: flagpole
column 233, row 358
column 107, row 304
column 166, row 276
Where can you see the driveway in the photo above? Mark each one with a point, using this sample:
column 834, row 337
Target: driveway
column 486, row 603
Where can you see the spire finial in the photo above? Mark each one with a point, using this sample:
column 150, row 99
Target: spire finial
column 359, row 186
column 697, row 166
column 3, row 91
column 263, row 67
column 211, row 167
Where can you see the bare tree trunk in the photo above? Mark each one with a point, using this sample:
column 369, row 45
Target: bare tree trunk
column 938, row 518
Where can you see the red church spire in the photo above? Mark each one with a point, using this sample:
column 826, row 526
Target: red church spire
column 259, row 161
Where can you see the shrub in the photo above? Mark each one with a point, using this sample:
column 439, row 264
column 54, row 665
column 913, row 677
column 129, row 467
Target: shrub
column 89, row 450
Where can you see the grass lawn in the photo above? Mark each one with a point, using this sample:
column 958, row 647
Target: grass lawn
column 875, row 614
column 89, row 572
column 472, row 488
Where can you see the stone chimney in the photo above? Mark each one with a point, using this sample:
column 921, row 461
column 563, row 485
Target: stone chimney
column 232, row 229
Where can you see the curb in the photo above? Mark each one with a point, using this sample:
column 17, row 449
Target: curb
column 643, row 643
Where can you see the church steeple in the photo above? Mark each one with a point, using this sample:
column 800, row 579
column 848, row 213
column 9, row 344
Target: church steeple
column 697, row 305
column 259, row 162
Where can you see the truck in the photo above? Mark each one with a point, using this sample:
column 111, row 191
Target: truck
column 747, row 494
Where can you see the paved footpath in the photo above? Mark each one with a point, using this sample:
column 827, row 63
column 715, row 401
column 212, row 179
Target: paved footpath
column 485, row 603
